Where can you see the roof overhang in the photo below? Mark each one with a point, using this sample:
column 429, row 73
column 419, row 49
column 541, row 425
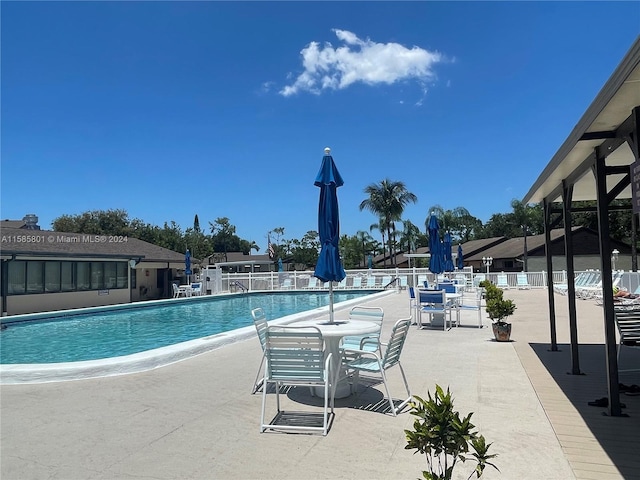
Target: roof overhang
column 605, row 126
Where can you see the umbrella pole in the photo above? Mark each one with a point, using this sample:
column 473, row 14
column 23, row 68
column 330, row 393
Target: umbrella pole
column 331, row 301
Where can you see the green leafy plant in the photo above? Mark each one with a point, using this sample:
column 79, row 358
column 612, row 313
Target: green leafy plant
column 444, row 438
column 497, row 307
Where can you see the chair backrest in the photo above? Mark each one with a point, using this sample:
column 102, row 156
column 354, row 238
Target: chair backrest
column 357, row 282
column 295, row 353
column 436, row 297
column 371, row 281
column 396, row 342
column 479, row 278
column 386, row 280
column 313, row 282
column 286, row 283
column 260, row 321
column 403, row 281
column 412, row 293
column 176, row 289
column 447, row 287
column 502, row 280
column 522, row 279
column 196, row 286
column 368, row 314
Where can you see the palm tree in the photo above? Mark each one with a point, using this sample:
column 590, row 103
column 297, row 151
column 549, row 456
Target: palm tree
column 364, row 239
column 449, row 220
column 409, row 236
column 388, row 200
column 522, row 217
column 381, row 227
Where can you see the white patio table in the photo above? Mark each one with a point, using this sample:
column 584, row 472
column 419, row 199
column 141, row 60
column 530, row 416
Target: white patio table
column 332, row 334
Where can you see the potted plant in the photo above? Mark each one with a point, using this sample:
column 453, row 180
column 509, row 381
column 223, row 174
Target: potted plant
column 444, row 438
column 498, row 309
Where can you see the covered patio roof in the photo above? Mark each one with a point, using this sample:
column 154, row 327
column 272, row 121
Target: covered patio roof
column 595, row 162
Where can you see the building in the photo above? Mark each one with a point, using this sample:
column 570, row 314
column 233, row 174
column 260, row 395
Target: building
column 45, row 270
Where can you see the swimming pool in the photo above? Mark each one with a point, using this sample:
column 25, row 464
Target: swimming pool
column 228, row 330
column 116, row 332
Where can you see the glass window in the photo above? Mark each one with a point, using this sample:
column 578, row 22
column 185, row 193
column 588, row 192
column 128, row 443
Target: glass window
column 121, row 274
column 83, row 270
column 35, row 277
column 17, row 277
column 97, row 276
column 110, row 273
column 51, row 276
column 66, row 277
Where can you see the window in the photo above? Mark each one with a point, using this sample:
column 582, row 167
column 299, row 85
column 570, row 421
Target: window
column 51, row 276
column 110, row 274
column 35, row 277
column 83, row 280
column 17, row 277
column 97, row 275
column 67, row 283
column 121, row 275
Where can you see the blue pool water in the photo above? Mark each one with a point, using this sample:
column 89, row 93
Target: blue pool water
column 123, row 332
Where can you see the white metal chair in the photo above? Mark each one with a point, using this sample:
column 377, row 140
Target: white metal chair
column 260, row 322
column 373, row 363
column 628, row 323
column 196, row 289
column 287, row 284
column 434, row 302
column 176, row 290
column 476, row 305
column 313, row 282
column 357, row 282
column 403, row 282
column 370, row 341
column 371, row 282
column 296, row 357
column 386, row 280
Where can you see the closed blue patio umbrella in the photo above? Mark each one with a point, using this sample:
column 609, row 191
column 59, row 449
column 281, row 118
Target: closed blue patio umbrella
column 448, row 256
column 187, row 264
column 435, row 262
column 329, row 266
column 460, row 259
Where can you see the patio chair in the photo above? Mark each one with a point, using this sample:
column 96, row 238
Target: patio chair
column 628, row 323
column 371, row 282
column 357, row 282
column 369, row 342
column 260, row 322
column 413, row 305
column 386, row 280
column 502, row 281
column 422, row 281
column 475, row 305
column 296, row 357
column 373, row 363
column 287, row 284
column 313, row 282
column 522, row 281
column 342, row 284
column 176, row 290
column 434, row 302
column 196, row 289
column 403, row 282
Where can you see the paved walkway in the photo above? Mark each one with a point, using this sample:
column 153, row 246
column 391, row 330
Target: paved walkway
column 197, row 419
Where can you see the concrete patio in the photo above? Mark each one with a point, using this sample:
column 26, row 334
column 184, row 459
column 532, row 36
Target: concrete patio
column 196, row 419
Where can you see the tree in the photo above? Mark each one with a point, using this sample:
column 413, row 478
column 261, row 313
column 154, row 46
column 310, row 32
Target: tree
column 388, row 200
column 98, row 222
column 452, row 221
column 381, row 228
column 523, row 217
column 365, row 240
column 196, row 223
column 409, row 236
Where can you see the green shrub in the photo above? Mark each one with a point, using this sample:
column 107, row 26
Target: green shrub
column 443, row 437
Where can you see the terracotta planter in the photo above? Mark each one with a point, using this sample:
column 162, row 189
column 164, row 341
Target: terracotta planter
column 502, row 331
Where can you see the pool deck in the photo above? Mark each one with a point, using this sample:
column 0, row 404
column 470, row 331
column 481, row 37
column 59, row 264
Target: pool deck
column 197, row 419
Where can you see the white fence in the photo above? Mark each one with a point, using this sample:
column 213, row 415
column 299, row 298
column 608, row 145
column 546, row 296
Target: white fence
column 384, row 278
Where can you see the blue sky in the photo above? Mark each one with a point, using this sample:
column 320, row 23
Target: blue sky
column 223, row 109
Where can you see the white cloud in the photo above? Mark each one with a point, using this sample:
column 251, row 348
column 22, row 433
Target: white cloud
column 362, row 61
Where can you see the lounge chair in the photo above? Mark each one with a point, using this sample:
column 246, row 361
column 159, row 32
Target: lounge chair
column 413, row 305
column 481, row 277
column 357, row 282
column 342, row 284
column 403, row 282
column 287, row 284
column 313, row 282
column 502, row 281
column 422, row 281
column 371, row 282
column 386, row 280
column 296, row 357
column 373, row 363
column 522, row 282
